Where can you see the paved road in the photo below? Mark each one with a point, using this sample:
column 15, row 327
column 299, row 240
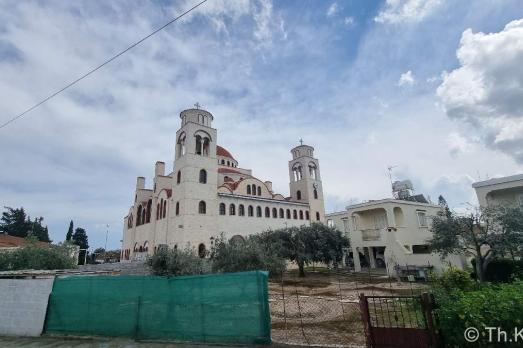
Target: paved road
column 54, row 342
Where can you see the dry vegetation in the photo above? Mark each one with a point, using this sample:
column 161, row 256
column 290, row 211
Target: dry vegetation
column 323, row 308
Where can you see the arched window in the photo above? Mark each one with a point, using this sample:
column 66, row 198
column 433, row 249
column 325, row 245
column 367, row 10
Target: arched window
column 282, row 213
column 158, row 211
column 298, row 195
column 177, row 208
column 267, row 212
column 307, row 217
column 139, row 216
column 232, row 209
column 259, row 190
column 297, row 173
column 203, row 176
column 258, row 211
column 146, row 246
column 222, row 208
column 164, row 209
column 206, row 146
column 179, row 177
column 148, row 214
column 202, row 207
column 130, row 221
column 253, row 189
column 312, row 171
column 250, row 211
column 248, row 189
column 241, row 210
column 201, row 250
column 315, row 193
column 317, row 216
column 294, row 214
column 274, row 213
column 181, row 145
column 228, row 164
column 288, row 213
column 301, row 214
column 160, row 214
column 199, row 143
column 143, row 215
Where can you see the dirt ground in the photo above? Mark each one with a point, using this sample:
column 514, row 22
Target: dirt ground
column 323, row 307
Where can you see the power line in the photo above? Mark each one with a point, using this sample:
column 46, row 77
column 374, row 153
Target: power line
column 100, row 66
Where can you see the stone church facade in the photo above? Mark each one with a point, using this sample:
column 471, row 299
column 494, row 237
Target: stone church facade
column 208, row 194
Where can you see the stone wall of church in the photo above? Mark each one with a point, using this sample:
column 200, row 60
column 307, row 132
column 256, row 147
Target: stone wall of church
column 232, row 225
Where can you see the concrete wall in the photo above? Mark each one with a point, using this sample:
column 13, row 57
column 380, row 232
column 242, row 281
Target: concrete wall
column 23, row 305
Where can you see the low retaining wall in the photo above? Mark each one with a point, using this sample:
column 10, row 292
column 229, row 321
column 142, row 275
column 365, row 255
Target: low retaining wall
column 23, row 305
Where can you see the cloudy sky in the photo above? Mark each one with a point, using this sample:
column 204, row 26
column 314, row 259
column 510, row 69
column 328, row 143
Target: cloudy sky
column 432, row 87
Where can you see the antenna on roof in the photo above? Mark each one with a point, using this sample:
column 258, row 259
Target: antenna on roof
column 389, row 168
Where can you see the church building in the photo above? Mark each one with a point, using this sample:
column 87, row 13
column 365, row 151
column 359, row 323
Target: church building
column 208, row 194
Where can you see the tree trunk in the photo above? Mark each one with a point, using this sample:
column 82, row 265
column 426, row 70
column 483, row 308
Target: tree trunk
column 479, row 268
column 301, row 268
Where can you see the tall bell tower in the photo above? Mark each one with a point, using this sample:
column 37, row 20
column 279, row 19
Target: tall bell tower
column 195, row 176
column 305, row 181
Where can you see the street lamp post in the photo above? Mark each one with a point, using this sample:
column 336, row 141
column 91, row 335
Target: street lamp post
column 105, row 248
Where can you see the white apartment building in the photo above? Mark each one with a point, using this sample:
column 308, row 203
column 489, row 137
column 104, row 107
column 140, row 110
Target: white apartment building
column 505, row 190
column 391, row 234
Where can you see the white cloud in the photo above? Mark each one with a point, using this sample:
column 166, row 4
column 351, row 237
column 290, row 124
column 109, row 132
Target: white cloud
column 486, row 91
column 458, row 144
column 333, row 9
column 349, row 21
column 400, row 11
column 406, row 79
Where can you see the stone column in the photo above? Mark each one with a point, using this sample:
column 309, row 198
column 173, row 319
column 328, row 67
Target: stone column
column 356, row 257
column 372, row 259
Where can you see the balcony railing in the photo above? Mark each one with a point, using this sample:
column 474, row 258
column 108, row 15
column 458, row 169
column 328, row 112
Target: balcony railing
column 370, row 234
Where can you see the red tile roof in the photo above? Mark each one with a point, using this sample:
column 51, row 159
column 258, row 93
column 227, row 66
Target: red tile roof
column 7, row 241
column 220, row 151
column 229, row 170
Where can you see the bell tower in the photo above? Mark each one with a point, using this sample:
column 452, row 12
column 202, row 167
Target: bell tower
column 305, row 181
column 195, row 176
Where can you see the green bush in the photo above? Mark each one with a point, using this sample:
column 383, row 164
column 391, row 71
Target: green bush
column 248, row 255
column 492, row 305
column 177, row 262
column 32, row 256
column 503, row 270
column 452, row 279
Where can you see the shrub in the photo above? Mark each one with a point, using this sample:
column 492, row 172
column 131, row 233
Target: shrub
column 452, row 279
column 492, row 305
column 32, row 256
column 249, row 255
column 503, row 270
column 177, row 262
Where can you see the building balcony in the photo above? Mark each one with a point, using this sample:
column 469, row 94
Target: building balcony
column 371, row 234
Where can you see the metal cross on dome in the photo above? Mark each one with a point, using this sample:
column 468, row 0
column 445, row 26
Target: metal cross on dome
column 301, row 141
column 197, row 105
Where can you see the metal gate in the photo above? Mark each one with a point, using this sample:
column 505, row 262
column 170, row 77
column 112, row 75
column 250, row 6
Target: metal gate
column 398, row 321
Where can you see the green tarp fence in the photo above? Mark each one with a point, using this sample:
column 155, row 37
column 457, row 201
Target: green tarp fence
column 218, row 308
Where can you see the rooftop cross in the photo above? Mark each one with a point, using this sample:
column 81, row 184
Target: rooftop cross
column 197, row 105
column 301, row 141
